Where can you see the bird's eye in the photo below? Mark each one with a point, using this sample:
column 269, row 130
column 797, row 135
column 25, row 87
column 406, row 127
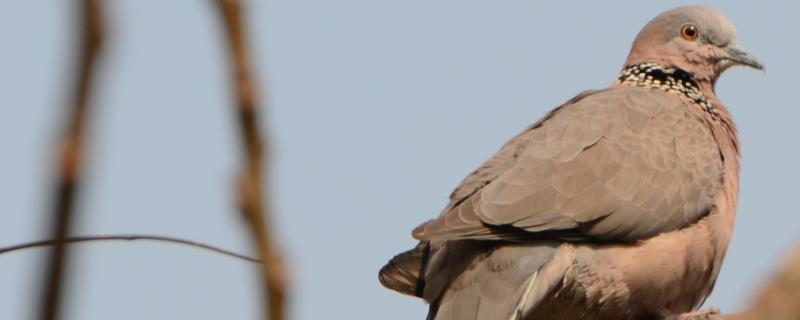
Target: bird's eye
column 690, row 32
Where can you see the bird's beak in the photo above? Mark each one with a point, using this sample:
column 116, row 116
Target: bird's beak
column 737, row 56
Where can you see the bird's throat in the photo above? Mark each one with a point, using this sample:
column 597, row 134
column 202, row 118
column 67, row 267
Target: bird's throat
column 672, row 80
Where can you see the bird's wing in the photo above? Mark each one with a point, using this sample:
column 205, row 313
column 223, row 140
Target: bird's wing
column 624, row 164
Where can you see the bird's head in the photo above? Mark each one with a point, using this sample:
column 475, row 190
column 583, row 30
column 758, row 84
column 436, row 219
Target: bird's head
column 695, row 39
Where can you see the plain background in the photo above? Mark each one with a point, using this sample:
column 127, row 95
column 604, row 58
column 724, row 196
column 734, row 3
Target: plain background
column 377, row 109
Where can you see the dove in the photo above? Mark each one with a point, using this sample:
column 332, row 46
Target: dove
column 618, row 204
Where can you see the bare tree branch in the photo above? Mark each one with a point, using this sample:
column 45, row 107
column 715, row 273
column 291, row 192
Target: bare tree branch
column 251, row 187
column 125, row 237
column 778, row 300
column 69, row 166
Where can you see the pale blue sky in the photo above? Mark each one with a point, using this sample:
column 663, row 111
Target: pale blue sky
column 378, row 109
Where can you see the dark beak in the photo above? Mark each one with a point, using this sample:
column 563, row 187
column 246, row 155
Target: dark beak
column 740, row 57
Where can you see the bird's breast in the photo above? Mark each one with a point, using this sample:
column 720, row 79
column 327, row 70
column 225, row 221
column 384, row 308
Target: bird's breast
column 670, row 273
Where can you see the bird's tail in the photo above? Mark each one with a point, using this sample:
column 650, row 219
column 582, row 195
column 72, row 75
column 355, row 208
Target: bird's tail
column 507, row 283
column 402, row 273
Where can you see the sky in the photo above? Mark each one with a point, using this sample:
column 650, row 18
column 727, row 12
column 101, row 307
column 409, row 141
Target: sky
column 374, row 110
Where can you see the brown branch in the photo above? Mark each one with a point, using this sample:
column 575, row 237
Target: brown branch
column 778, row 300
column 251, row 188
column 126, row 237
column 69, row 166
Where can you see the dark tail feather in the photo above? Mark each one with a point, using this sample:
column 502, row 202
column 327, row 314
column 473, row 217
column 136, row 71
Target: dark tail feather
column 402, row 273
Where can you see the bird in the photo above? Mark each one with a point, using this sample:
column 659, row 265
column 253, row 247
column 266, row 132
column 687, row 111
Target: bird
column 618, row 204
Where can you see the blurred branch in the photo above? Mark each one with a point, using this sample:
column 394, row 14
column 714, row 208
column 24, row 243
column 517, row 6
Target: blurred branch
column 70, row 154
column 251, row 188
column 778, row 300
column 125, row 237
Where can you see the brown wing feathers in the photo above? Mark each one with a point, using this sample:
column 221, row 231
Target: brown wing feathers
column 603, row 165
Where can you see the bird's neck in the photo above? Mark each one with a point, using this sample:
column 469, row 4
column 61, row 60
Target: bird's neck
column 669, row 79
column 722, row 123
column 699, row 91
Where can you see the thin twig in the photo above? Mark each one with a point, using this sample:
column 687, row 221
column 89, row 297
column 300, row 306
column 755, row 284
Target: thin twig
column 126, row 237
column 69, row 166
column 251, row 188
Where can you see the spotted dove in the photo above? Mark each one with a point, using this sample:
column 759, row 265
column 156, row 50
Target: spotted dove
column 618, row 204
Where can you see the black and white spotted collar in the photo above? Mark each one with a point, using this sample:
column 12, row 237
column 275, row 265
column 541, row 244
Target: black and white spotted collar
column 669, row 80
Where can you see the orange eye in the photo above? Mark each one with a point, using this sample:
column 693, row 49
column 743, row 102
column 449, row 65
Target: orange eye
column 690, row 32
